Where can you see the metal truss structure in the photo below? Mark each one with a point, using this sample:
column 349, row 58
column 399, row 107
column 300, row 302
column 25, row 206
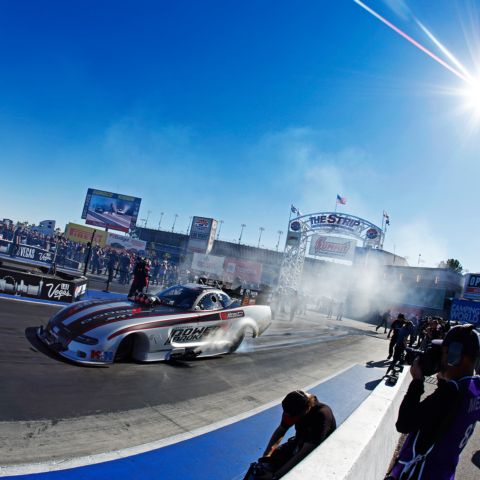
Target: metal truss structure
column 293, row 260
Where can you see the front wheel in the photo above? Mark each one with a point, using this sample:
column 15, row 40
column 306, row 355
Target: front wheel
column 125, row 349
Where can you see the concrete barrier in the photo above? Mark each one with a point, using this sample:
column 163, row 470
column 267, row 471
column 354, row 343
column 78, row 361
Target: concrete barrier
column 363, row 446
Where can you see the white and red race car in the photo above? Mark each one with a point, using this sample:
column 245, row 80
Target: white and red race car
column 181, row 322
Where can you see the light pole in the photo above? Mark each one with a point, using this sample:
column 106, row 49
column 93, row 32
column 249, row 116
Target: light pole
column 148, row 216
column 280, row 233
column 241, row 232
column 160, row 222
column 419, row 257
column 189, row 225
column 219, row 228
column 260, row 236
column 174, row 221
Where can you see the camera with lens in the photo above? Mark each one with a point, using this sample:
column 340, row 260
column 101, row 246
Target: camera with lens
column 429, row 359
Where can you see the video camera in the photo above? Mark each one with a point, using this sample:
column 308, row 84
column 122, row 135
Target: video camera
column 429, row 359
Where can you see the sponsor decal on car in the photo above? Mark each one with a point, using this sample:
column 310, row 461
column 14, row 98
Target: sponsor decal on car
column 190, row 334
column 99, row 356
column 230, row 315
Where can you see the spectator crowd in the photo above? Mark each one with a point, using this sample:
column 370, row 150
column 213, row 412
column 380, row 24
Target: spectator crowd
column 106, row 261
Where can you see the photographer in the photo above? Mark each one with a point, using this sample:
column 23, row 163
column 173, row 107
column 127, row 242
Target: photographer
column 439, row 426
column 314, row 422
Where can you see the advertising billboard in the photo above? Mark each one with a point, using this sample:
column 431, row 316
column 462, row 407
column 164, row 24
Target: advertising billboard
column 82, row 234
column 210, row 264
column 332, row 247
column 111, row 210
column 465, row 312
column 472, row 286
column 121, row 243
column 244, row 270
column 202, row 235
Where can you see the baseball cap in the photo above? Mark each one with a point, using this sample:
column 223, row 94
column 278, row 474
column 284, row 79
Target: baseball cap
column 401, row 316
column 464, row 336
column 295, row 403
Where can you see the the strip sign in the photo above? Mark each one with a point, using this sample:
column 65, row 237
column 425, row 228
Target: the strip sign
column 340, row 223
column 332, row 247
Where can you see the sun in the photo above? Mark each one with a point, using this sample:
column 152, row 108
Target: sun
column 471, row 95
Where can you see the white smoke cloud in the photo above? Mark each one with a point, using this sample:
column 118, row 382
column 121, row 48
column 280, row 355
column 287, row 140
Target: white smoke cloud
column 419, row 243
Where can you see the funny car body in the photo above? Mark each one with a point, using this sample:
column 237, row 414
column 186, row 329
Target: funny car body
column 181, row 322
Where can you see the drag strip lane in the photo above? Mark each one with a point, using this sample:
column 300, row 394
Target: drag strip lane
column 53, row 409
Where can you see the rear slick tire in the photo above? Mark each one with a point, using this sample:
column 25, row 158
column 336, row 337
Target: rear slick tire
column 237, row 342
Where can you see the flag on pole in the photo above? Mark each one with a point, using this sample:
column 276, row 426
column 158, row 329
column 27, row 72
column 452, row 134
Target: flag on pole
column 386, row 217
column 341, row 200
column 293, row 209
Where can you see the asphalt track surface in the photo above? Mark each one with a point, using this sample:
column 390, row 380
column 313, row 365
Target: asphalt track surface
column 52, row 409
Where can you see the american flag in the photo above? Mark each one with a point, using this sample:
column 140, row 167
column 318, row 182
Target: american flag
column 386, row 217
column 341, row 200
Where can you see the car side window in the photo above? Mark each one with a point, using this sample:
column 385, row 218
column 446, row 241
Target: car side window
column 209, row 302
column 225, row 300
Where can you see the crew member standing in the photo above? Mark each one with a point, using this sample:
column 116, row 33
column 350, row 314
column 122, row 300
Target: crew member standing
column 395, row 328
column 384, row 321
column 141, row 271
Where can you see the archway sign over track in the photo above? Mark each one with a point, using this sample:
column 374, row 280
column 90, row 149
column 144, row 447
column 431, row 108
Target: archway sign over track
column 302, row 227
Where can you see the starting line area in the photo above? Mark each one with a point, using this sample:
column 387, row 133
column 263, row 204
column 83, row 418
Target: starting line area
column 223, row 453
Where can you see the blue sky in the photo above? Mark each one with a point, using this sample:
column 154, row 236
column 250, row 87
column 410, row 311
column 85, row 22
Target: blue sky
column 236, row 109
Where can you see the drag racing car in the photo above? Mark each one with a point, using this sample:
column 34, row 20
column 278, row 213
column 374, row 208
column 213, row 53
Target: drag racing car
column 181, row 322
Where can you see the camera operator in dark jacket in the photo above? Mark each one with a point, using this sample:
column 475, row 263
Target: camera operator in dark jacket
column 439, row 426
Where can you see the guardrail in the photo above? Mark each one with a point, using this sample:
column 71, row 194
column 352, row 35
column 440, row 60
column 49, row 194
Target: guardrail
column 363, row 446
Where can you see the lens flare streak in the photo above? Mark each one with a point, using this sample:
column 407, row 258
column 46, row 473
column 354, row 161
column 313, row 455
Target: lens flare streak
column 445, row 51
column 414, row 42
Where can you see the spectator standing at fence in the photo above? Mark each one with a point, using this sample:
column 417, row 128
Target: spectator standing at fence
column 112, row 259
column 16, row 239
column 155, row 271
column 124, row 265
